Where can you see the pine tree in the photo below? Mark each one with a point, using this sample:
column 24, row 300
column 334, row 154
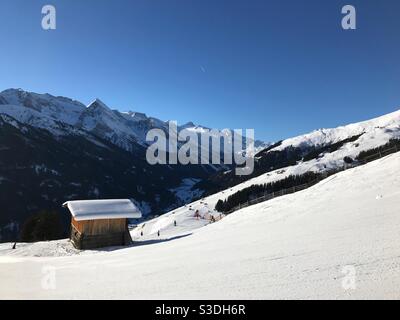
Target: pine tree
column 44, row 226
column 219, row 206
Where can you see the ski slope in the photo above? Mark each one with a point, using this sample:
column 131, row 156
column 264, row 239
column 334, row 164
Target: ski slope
column 296, row 246
column 186, row 222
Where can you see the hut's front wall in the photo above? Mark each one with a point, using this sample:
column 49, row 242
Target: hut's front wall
column 97, row 227
column 91, row 234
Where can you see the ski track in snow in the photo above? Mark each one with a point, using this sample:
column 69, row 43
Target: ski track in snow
column 295, row 246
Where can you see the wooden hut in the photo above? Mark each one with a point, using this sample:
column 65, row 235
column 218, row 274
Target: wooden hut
column 101, row 223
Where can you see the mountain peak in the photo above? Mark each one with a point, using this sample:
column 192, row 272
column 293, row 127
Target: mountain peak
column 11, row 90
column 97, row 103
column 16, row 92
column 189, row 124
column 133, row 115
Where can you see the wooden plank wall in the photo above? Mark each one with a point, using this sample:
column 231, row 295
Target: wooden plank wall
column 96, row 227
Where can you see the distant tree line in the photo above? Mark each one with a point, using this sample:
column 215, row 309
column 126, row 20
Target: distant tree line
column 371, row 152
column 258, row 190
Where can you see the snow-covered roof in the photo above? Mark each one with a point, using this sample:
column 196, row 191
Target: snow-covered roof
column 102, row 209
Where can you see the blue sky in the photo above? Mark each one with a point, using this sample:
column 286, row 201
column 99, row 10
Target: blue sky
column 280, row 67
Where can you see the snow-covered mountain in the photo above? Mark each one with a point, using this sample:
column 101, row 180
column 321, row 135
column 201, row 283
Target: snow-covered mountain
column 319, row 150
column 125, row 129
column 48, row 112
column 374, row 132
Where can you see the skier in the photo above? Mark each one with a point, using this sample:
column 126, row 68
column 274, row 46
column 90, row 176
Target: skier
column 175, row 223
column 158, row 233
column 14, row 246
column 141, row 233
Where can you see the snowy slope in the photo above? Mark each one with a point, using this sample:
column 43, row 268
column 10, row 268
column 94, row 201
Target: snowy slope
column 374, row 127
column 377, row 132
column 186, row 222
column 296, row 246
